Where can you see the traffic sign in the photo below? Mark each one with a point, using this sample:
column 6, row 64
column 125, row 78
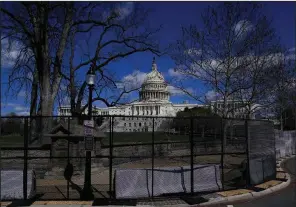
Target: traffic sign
column 88, row 127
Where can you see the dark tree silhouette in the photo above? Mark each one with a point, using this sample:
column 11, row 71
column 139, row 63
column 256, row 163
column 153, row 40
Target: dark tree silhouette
column 232, row 54
column 47, row 36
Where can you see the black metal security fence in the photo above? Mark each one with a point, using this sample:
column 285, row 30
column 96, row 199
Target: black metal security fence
column 133, row 157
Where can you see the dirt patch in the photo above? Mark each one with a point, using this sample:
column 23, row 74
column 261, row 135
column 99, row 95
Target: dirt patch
column 281, row 175
column 269, row 184
column 102, row 178
column 5, row 203
column 234, row 192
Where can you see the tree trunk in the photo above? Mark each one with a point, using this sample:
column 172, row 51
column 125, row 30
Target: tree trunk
column 33, row 108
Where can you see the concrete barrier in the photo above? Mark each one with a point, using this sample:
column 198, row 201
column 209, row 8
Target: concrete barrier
column 12, row 184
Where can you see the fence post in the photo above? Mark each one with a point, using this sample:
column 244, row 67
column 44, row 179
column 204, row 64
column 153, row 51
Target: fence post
column 25, row 172
column 68, row 153
column 275, row 151
column 153, row 154
column 191, row 154
column 248, row 178
column 222, row 153
column 263, row 170
column 110, row 155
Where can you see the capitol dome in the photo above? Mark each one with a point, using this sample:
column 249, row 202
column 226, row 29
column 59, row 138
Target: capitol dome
column 154, row 76
column 154, row 88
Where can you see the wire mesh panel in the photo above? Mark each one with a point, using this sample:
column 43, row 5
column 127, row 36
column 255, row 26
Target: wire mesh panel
column 206, row 178
column 285, row 143
column 262, row 158
column 13, row 132
column 235, row 159
column 48, row 155
column 100, row 162
column 16, row 182
column 171, row 152
column 207, row 135
column 131, row 155
column 205, row 172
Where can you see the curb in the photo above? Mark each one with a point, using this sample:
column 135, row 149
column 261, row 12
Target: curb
column 248, row 196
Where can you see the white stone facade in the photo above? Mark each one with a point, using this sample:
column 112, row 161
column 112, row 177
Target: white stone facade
column 154, row 100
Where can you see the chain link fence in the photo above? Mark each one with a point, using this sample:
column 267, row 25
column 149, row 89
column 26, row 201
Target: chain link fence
column 136, row 157
column 285, row 143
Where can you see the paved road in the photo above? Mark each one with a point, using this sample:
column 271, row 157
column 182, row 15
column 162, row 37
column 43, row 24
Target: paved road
column 285, row 197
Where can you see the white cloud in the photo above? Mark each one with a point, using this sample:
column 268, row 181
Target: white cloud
column 124, row 9
column 99, row 104
column 132, row 81
column 12, row 51
column 30, row 76
column 291, row 54
column 291, row 57
column 242, row 28
column 207, row 69
column 175, row 91
column 23, row 113
column 178, row 92
column 193, row 52
column 65, row 100
column 21, row 108
column 173, row 72
column 211, row 95
column 9, row 104
column 63, row 87
column 22, row 94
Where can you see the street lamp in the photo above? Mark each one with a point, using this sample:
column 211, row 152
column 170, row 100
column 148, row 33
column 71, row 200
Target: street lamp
column 87, row 193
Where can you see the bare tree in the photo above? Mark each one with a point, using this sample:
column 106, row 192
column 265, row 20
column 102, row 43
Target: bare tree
column 119, row 38
column 283, row 84
column 231, row 54
column 50, row 31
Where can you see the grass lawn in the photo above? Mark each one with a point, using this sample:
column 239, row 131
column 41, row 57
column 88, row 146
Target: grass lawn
column 12, row 140
column 144, row 137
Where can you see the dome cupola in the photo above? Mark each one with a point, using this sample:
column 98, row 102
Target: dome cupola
column 154, row 88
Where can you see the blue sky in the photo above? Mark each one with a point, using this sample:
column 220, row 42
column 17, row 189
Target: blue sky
column 172, row 15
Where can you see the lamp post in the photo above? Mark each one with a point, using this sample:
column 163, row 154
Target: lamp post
column 87, row 193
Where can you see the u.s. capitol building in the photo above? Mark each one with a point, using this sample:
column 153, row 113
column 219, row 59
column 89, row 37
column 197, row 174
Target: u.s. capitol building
column 154, row 100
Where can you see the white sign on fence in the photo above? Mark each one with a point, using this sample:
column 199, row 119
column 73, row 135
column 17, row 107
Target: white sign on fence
column 88, row 127
column 89, row 134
